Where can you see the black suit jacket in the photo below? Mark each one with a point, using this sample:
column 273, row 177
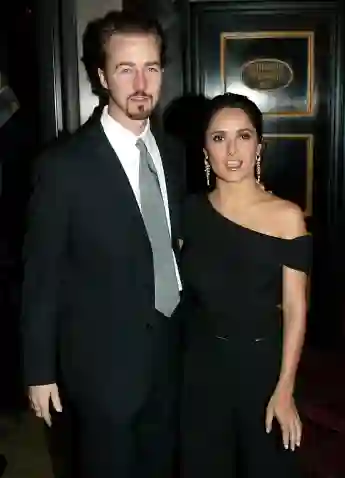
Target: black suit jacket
column 88, row 296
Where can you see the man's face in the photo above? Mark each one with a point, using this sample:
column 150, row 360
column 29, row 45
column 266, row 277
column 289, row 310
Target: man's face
column 132, row 74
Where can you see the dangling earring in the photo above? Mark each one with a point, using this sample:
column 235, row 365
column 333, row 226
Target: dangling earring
column 258, row 171
column 207, row 169
column 258, row 168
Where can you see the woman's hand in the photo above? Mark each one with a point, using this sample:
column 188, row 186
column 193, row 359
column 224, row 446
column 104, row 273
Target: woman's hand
column 282, row 407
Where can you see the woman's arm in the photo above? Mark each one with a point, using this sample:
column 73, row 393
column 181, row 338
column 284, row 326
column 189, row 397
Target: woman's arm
column 294, row 308
column 281, row 405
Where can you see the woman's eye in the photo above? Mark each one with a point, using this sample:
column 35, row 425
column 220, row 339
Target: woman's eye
column 245, row 136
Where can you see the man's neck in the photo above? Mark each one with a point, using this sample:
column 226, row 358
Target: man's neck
column 137, row 127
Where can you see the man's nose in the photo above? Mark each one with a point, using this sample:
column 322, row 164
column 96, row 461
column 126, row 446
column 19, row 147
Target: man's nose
column 140, row 82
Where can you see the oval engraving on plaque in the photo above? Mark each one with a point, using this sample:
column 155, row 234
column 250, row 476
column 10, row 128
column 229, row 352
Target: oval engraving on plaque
column 266, row 74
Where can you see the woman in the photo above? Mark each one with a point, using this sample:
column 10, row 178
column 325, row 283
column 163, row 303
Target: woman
column 245, row 258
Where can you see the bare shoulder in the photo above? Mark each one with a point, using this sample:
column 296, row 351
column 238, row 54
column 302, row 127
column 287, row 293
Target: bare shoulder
column 288, row 217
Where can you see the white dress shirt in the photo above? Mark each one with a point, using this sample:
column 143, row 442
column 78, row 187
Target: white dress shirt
column 124, row 142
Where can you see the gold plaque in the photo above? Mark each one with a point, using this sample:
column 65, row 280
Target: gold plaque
column 266, row 74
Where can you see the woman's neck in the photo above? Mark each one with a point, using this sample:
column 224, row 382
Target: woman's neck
column 238, row 194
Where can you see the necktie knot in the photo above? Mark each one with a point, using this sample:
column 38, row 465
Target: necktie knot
column 141, row 145
column 146, row 157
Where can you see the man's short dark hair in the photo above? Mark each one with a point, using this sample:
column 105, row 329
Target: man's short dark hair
column 99, row 31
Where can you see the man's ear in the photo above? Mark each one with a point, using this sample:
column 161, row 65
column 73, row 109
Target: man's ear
column 102, row 78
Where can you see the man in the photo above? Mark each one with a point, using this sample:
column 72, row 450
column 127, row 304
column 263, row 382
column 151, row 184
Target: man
column 102, row 282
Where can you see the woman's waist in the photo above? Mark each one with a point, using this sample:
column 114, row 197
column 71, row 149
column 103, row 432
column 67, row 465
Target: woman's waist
column 249, row 322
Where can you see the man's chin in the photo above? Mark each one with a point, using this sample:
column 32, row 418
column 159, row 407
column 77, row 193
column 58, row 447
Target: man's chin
column 139, row 115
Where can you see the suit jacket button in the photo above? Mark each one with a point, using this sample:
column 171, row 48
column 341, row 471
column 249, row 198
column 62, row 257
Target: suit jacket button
column 149, row 326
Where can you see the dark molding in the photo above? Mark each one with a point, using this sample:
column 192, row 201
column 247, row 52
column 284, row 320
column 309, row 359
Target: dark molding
column 184, row 11
column 339, row 115
column 263, row 5
column 49, row 70
column 69, row 60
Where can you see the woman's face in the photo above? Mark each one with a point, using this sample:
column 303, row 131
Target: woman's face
column 232, row 145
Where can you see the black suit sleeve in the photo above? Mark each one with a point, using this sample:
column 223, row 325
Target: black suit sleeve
column 44, row 249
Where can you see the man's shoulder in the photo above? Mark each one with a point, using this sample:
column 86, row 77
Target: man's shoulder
column 86, row 136
column 73, row 148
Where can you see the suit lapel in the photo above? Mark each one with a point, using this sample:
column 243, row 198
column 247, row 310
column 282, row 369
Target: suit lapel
column 116, row 174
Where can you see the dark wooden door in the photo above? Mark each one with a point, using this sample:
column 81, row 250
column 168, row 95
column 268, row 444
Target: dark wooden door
column 288, row 58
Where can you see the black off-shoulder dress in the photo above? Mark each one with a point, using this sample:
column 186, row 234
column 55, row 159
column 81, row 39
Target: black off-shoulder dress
column 233, row 345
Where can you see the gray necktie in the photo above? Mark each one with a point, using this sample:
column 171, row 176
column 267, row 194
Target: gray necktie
column 154, row 216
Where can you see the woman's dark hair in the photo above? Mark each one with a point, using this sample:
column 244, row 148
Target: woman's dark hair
column 232, row 100
column 99, row 31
